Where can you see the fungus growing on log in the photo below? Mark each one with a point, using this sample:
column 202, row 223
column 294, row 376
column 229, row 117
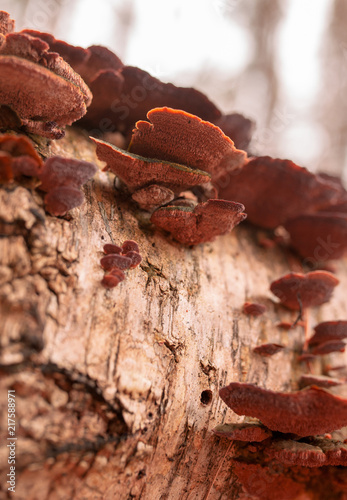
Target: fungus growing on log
column 176, row 136
column 191, row 226
column 39, row 86
column 18, row 157
column 251, row 432
column 253, row 309
column 275, row 190
column 327, row 331
column 318, row 380
column 315, row 454
column 320, row 237
column 59, row 200
column 153, row 182
column 62, row 178
column 300, row 291
column 328, row 347
column 117, row 260
column 304, row 413
column 268, row 349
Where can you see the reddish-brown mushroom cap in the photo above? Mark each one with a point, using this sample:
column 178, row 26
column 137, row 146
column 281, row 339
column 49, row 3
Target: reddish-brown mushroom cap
column 251, row 432
column 275, row 190
column 112, row 261
column 328, row 330
column 111, row 248
column 176, row 136
column 268, row 349
column 18, row 157
column 237, row 127
column 59, row 171
column 253, row 309
column 139, row 92
column 308, row 412
column 297, row 290
column 318, row 380
column 328, row 347
column 130, row 246
column 59, row 200
column 39, row 85
column 113, row 278
column 320, row 452
column 320, row 237
column 6, row 23
column 135, row 258
column 205, row 222
column 153, row 196
column 138, row 172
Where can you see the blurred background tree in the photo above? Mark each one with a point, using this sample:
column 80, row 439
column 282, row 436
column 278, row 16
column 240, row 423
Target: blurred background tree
column 281, row 62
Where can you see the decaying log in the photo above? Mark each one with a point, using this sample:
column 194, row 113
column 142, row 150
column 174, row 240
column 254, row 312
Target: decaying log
column 117, row 390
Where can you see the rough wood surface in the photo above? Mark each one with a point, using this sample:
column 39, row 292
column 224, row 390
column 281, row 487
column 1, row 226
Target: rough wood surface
column 110, row 383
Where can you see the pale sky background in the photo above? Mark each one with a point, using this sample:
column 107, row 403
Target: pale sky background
column 201, row 43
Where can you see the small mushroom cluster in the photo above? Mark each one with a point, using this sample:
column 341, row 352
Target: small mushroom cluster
column 39, row 92
column 117, row 260
column 172, row 153
column 60, row 178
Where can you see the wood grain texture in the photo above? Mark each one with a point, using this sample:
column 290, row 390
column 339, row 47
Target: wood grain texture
column 109, row 382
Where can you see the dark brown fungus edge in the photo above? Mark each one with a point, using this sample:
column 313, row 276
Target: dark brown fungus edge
column 304, row 413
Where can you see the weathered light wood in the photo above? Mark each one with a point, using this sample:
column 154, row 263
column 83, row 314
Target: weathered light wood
column 111, row 406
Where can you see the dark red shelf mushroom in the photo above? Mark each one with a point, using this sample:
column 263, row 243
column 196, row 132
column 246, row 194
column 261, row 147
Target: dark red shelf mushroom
column 316, row 454
column 62, row 178
column 153, row 182
column 297, row 291
column 318, row 380
column 251, row 432
column 304, row 413
column 268, row 349
column 329, row 347
column 18, row 157
column 39, row 86
column 275, row 190
column 327, row 331
column 191, row 226
column 117, row 260
column 253, row 309
column 319, row 237
column 176, row 136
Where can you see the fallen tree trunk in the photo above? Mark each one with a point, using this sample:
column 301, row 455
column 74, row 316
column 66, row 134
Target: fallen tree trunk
column 117, row 390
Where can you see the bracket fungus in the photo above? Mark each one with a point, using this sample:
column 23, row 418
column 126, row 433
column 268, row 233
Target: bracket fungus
column 328, row 331
column 117, row 260
column 61, row 178
column 253, row 309
column 268, row 349
column 304, row 413
column 152, row 182
column 176, row 136
column 39, row 86
column 191, row 226
column 321, row 236
column 307, row 380
column 18, row 157
column 299, row 291
column 317, row 453
column 328, row 347
column 275, row 190
column 247, row 431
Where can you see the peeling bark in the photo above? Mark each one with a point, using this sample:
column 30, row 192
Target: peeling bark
column 109, row 382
